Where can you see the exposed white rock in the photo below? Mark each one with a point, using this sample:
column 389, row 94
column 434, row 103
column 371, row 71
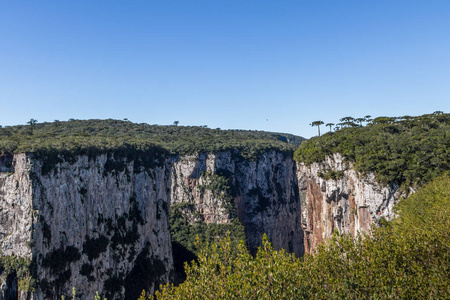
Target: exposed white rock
column 88, row 221
column 187, row 182
column 16, row 209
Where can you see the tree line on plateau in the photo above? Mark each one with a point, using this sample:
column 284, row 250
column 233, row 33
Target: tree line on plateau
column 346, row 122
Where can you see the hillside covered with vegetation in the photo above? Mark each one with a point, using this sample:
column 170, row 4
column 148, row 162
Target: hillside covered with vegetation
column 99, row 135
column 408, row 258
column 404, row 150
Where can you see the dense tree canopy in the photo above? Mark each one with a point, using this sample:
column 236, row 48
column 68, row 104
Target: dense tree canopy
column 94, row 135
column 405, row 150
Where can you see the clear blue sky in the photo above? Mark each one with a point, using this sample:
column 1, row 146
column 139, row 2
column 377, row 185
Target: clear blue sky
column 265, row 65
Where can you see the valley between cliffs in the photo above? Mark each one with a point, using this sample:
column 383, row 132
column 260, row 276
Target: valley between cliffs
column 102, row 222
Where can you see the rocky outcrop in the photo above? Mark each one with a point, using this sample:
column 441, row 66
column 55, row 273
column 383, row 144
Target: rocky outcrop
column 334, row 196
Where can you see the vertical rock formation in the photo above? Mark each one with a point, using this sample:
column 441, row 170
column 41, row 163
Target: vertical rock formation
column 96, row 223
column 334, row 196
column 264, row 194
column 16, row 212
column 101, row 222
column 269, row 201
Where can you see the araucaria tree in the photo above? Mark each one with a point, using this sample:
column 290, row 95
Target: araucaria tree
column 317, row 123
column 32, row 122
column 360, row 120
column 329, row 125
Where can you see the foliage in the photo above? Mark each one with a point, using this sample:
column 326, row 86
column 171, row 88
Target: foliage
column 222, row 189
column 91, row 136
column 407, row 259
column 184, row 232
column 227, row 272
column 331, row 174
column 74, row 295
column 22, row 267
column 407, row 150
column 186, row 222
column 317, row 123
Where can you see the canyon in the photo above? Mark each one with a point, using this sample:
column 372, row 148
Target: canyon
column 101, row 222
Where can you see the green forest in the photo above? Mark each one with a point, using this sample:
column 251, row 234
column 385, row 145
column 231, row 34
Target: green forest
column 92, row 136
column 408, row 151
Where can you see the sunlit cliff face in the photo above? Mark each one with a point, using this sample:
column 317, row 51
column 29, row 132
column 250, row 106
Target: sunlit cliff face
column 101, row 223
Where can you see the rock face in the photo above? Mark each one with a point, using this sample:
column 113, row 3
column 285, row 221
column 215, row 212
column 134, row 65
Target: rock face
column 16, row 211
column 264, row 194
column 93, row 223
column 101, row 222
column 348, row 203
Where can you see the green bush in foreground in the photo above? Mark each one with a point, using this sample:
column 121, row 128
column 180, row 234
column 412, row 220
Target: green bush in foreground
column 406, row 259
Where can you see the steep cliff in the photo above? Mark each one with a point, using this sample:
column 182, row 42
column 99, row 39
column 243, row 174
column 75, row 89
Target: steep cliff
column 391, row 154
column 261, row 194
column 119, row 221
column 97, row 223
column 16, row 211
column 334, row 196
column 101, row 222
